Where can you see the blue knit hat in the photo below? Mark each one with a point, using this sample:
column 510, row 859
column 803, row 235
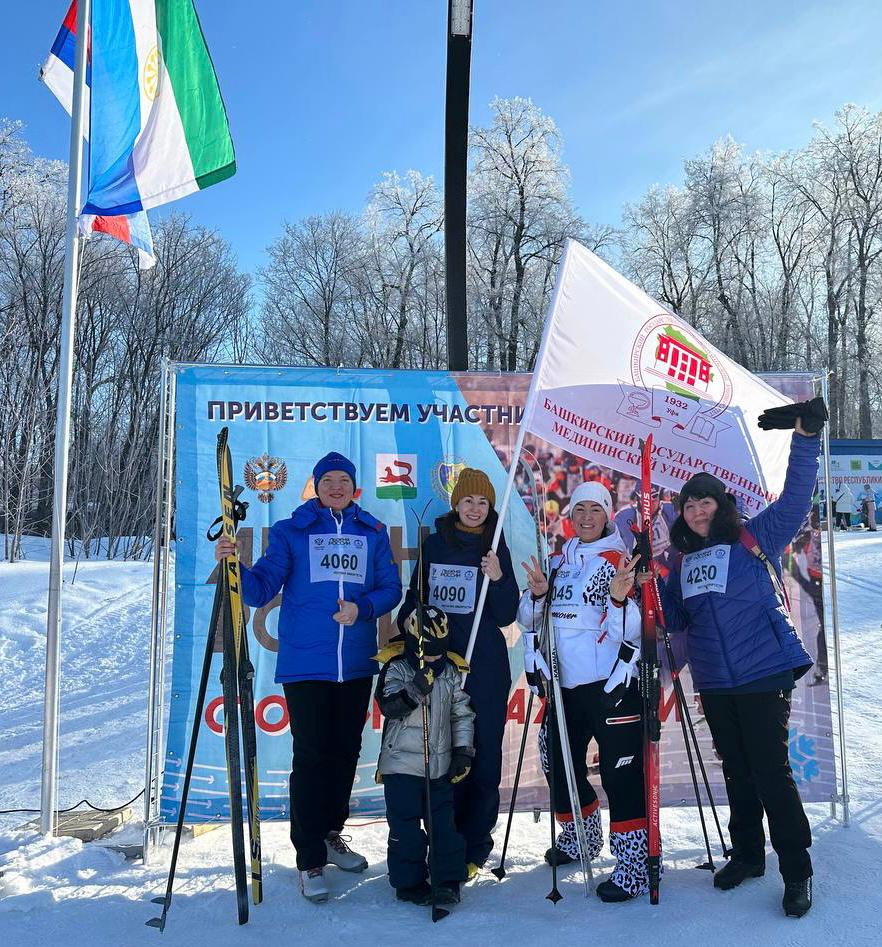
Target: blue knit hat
column 333, row 461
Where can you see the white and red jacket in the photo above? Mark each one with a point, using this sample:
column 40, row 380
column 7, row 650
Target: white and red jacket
column 589, row 627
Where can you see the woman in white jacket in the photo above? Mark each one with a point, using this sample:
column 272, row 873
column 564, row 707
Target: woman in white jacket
column 844, row 502
column 597, row 630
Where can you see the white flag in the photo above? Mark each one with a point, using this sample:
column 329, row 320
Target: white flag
column 615, row 365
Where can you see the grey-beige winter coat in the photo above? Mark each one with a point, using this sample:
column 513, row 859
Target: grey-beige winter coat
column 451, row 718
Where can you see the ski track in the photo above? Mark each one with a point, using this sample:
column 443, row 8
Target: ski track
column 53, row 890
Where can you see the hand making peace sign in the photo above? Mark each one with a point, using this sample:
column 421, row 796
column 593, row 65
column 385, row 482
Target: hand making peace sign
column 623, row 581
column 536, row 578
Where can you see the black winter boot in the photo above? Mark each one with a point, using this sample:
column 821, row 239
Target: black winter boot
column 447, row 892
column 797, row 897
column 418, row 894
column 732, row 874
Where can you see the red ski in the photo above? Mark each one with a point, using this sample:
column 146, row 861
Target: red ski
column 650, row 689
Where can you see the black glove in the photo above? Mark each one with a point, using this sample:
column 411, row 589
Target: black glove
column 423, row 679
column 460, row 764
column 812, row 414
column 535, row 682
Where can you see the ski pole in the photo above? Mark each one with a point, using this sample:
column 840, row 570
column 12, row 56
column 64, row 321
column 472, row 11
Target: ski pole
column 500, row 870
column 687, row 716
column 165, row 900
column 678, row 696
column 437, row 912
column 554, row 895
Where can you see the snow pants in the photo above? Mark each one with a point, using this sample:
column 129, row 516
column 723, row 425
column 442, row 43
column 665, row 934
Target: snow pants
column 326, row 723
column 619, row 734
column 750, row 733
column 408, row 848
column 476, row 798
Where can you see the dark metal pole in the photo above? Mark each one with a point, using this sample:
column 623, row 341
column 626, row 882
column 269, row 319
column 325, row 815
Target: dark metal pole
column 456, row 133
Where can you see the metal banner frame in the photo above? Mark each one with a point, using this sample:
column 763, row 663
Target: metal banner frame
column 165, row 492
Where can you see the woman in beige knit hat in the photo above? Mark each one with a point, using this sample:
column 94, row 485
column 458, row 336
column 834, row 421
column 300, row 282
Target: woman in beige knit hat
column 454, row 559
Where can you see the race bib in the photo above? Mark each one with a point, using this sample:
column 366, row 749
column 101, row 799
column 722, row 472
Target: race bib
column 661, row 536
column 452, row 588
column 335, row 558
column 705, row 571
column 569, row 607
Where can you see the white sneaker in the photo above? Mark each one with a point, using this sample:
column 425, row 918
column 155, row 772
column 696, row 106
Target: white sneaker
column 341, row 855
column 312, row 885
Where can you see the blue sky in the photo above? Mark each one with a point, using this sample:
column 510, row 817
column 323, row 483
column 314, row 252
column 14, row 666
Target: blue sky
column 325, row 95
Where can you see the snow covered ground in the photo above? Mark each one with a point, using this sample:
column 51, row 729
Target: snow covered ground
column 54, row 891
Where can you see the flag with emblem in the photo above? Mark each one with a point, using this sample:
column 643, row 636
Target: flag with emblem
column 57, row 74
column 158, row 126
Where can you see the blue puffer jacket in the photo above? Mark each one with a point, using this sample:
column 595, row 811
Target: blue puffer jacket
column 745, row 633
column 313, row 647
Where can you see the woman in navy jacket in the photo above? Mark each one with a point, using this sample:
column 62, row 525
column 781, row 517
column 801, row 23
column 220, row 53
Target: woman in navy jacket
column 745, row 656
column 453, row 559
column 333, row 562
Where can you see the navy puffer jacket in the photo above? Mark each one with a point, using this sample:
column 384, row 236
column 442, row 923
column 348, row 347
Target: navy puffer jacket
column 744, row 633
column 490, row 657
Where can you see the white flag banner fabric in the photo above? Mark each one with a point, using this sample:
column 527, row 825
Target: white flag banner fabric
column 616, row 365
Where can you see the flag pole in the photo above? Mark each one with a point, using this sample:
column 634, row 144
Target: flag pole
column 519, row 443
column 48, row 789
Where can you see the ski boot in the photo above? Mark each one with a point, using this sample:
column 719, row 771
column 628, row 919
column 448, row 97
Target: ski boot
column 565, row 850
column 737, row 870
column 630, row 877
column 797, row 897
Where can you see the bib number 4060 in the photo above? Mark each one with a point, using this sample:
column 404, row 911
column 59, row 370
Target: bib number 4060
column 337, row 560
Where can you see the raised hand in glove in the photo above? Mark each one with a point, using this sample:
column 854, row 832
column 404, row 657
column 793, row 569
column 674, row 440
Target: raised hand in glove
column 811, row 415
column 623, row 672
column 423, row 679
column 535, row 665
column 460, row 765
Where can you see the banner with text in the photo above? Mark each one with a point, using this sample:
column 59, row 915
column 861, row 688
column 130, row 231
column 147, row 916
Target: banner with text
column 409, row 434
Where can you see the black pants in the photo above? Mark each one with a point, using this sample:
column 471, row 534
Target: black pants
column 619, row 735
column 326, row 723
column 476, row 798
column 408, row 850
column 750, row 733
column 843, row 520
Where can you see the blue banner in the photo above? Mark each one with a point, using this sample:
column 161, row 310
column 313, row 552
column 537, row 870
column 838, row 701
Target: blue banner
column 409, row 433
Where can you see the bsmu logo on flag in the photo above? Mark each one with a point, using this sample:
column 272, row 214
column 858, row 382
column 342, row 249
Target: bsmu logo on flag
column 396, row 476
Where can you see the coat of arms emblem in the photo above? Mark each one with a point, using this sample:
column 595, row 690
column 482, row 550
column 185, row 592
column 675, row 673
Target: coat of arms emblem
column 266, row 475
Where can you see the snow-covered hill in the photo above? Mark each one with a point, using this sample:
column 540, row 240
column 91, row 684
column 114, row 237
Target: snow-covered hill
column 57, row 891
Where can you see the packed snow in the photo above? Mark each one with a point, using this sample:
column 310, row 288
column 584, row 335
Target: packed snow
column 58, row 890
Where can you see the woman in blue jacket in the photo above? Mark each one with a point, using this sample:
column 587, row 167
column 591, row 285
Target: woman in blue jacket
column 454, row 559
column 745, row 657
column 333, row 562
